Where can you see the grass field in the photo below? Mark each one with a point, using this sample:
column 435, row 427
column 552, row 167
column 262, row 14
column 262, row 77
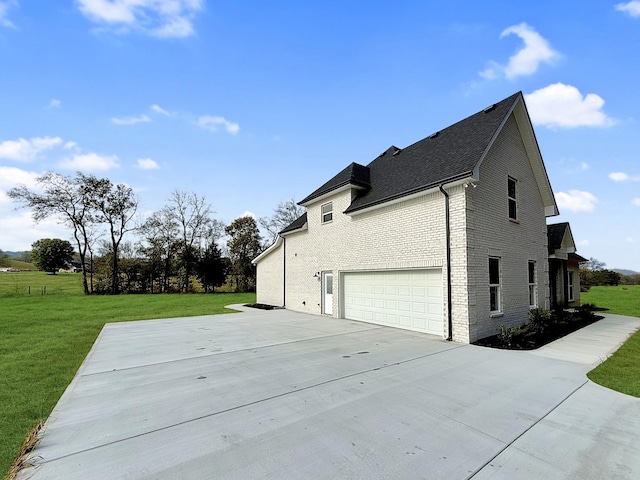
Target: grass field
column 45, row 338
column 621, row 372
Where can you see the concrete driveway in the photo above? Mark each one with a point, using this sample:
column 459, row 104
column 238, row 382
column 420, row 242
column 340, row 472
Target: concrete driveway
column 277, row 394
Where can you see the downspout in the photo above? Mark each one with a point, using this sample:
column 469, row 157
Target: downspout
column 284, row 272
column 449, row 294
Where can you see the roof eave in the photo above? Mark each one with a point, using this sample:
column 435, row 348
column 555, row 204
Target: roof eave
column 338, row 189
column 461, row 179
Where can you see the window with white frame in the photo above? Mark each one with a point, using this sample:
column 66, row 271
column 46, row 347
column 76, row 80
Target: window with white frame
column 570, row 285
column 511, row 193
column 327, row 212
column 494, row 285
column 533, row 287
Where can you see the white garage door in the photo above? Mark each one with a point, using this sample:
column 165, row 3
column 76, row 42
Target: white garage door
column 410, row 299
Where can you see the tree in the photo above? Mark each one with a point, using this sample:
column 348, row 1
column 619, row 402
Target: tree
column 593, row 273
column 212, row 268
column 244, row 245
column 66, row 198
column 283, row 215
column 192, row 214
column 160, row 233
column 115, row 206
column 51, row 254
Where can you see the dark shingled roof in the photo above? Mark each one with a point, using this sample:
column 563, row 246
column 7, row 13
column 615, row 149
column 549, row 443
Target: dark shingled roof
column 445, row 156
column 354, row 174
column 296, row 224
column 555, row 234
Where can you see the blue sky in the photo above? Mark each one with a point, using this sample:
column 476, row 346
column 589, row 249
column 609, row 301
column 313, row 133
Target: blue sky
column 254, row 103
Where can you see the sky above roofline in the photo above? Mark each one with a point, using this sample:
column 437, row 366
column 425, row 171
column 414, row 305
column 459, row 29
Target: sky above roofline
column 253, row 104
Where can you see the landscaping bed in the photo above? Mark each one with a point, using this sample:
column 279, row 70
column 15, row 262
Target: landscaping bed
column 543, row 327
column 262, row 306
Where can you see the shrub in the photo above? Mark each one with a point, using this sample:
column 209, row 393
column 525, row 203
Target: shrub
column 540, row 321
column 585, row 312
column 509, row 336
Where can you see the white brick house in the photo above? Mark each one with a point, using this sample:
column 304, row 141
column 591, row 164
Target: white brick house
column 447, row 236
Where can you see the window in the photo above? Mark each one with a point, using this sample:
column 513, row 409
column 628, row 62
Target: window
column 533, row 288
column 511, row 188
column 327, row 212
column 494, row 284
column 570, row 286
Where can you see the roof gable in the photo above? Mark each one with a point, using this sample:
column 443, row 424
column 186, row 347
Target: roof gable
column 560, row 238
column 355, row 174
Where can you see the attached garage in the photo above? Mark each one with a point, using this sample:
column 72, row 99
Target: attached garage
column 409, row 299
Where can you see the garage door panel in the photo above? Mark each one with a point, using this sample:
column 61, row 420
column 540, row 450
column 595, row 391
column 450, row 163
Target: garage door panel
column 410, row 299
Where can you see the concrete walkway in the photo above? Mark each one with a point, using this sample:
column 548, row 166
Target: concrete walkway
column 277, row 394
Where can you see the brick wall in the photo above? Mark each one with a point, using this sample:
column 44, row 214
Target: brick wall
column 492, row 233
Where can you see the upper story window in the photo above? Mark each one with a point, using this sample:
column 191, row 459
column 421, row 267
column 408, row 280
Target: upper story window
column 494, row 285
column 511, row 191
column 327, row 212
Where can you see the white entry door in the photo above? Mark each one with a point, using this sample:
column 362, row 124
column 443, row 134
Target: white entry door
column 327, row 293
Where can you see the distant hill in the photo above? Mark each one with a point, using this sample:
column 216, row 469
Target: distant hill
column 17, row 264
column 14, row 254
column 622, row 271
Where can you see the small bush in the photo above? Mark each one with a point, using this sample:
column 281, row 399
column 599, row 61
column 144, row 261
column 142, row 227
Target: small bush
column 509, row 336
column 585, row 312
column 540, row 321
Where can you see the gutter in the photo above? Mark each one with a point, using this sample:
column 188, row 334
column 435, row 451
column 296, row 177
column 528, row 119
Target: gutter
column 284, row 272
column 448, row 234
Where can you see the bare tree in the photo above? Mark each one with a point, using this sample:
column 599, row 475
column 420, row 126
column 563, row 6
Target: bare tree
column 283, row 215
column 161, row 234
column 67, row 199
column 192, row 213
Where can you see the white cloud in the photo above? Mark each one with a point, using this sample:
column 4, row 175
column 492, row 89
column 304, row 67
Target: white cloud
column 584, row 166
column 212, row 123
column 160, row 18
column 632, row 8
column 576, row 201
column 12, row 176
column 55, row 103
column 583, row 243
column 130, row 120
column 158, row 109
column 629, row 239
column 23, row 150
column 70, row 145
column 525, row 61
column 19, row 230
column 4, row 8
column 622, row 177
column 636, row 201
column 147, row 164
column 247, row 213
column 561, row 105
column 90, row 162
column 618, row 176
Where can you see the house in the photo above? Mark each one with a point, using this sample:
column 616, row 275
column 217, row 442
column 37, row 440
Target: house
column 564, row 267
column 447, row 236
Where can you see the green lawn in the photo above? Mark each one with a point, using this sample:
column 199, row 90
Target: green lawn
column 621, row 372
column 45, row 338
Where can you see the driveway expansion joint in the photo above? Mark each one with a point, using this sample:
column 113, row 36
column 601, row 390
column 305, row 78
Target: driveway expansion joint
column 509, row 444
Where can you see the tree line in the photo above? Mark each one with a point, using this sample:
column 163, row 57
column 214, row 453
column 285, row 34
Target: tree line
column 173, row 250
